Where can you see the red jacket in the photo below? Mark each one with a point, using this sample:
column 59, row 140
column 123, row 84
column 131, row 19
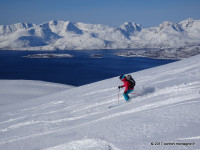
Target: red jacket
column 127, row 85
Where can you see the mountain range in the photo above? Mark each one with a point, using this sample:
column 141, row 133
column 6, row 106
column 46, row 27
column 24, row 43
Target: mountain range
column 67, row 35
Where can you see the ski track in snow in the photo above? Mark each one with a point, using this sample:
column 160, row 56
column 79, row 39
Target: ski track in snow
column 190, row 138
column 85, row 144
column 95, row 114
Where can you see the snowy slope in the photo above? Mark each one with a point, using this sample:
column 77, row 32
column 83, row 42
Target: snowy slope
column 17, row 91
column 67, row 35
column 79, row 118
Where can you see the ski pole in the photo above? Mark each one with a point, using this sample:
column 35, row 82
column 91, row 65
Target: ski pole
column 118, row 96
column 136, row 93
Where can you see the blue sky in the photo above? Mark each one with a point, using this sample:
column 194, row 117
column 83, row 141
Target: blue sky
column 109, row 12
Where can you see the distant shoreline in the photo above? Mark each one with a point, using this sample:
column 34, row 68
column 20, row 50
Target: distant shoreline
column 152, row 53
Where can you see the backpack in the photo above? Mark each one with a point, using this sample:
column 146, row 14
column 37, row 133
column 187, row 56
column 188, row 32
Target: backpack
column 130, row 80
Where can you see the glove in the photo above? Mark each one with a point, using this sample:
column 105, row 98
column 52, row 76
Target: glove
column 125, row 92
column 119, row 87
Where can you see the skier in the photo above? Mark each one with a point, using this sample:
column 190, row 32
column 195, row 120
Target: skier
column 128, row 86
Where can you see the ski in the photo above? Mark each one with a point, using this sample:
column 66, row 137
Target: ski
column 111, row 106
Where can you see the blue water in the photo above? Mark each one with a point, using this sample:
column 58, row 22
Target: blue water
column 79, row 70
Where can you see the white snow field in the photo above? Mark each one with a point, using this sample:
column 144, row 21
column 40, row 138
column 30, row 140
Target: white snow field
column 16, row 91
column 165, row 117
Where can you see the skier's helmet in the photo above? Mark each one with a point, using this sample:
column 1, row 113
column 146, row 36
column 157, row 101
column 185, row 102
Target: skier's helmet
column 122, row 77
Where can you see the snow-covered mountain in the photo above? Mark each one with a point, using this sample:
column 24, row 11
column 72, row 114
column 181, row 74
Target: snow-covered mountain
column 165, row 117
column 67, row 35
column 129, row 28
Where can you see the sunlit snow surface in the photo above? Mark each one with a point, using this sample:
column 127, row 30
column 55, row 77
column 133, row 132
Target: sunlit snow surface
column 165, row 117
